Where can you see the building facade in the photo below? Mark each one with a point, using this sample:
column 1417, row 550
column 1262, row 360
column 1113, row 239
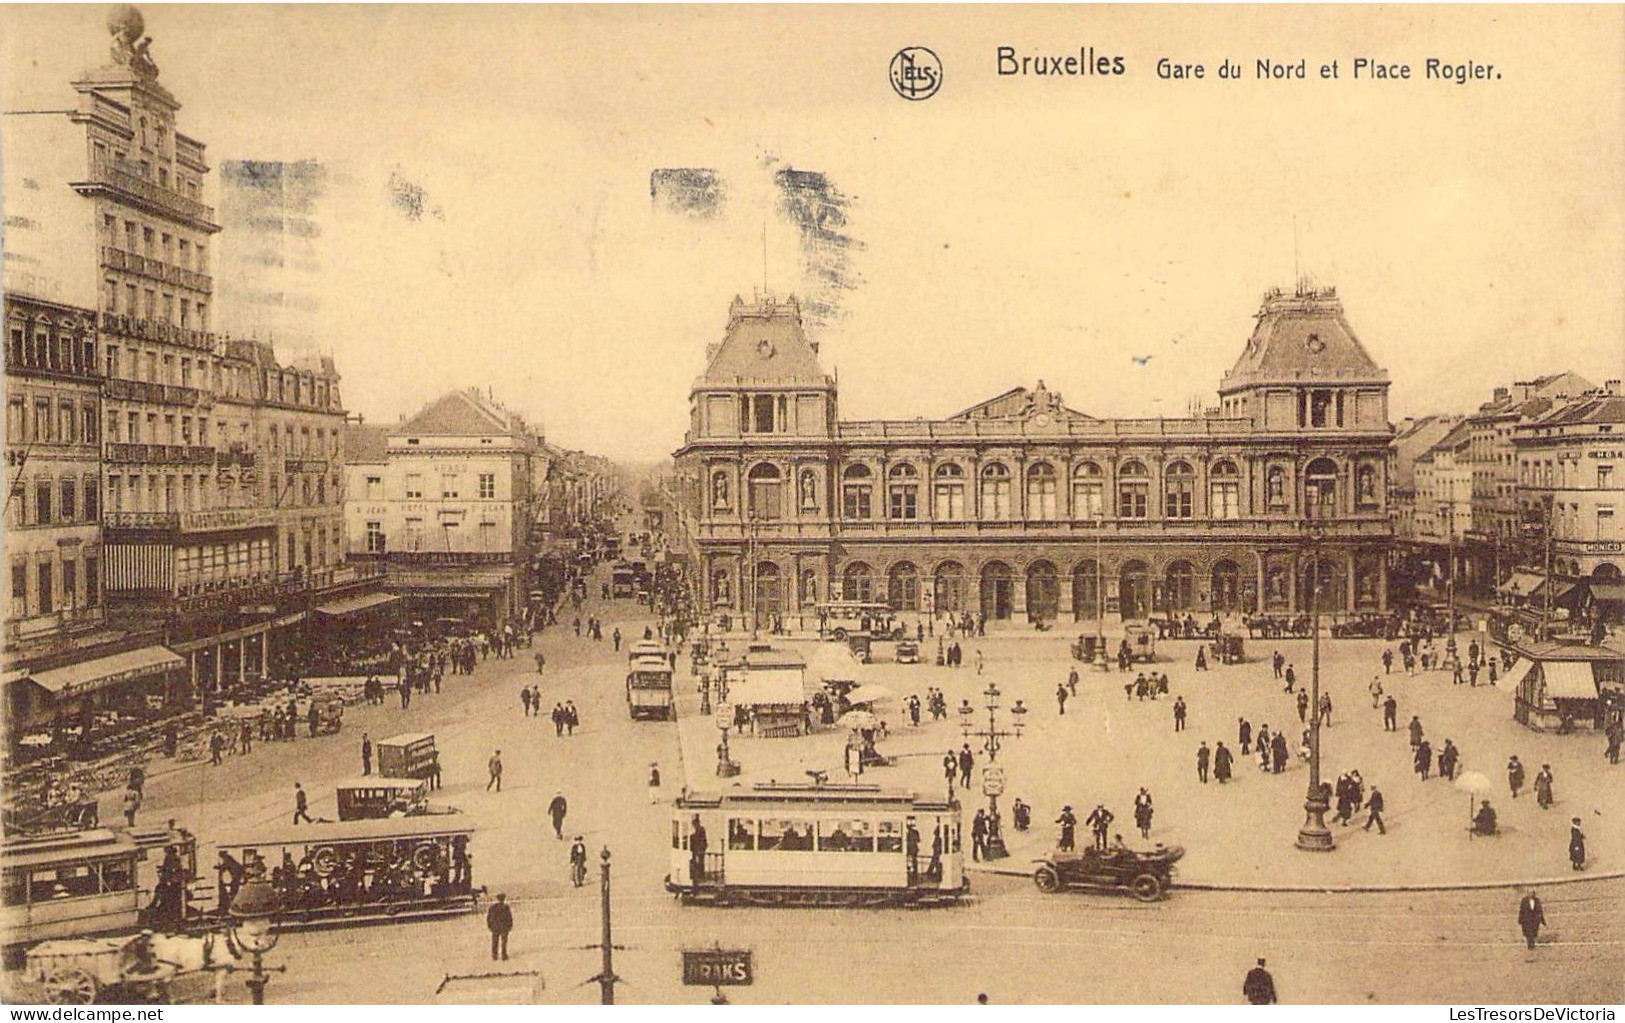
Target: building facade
column 53, row 473
column 447, row 504
column 220, row 514
column 1021, row 507
column 1570, row 463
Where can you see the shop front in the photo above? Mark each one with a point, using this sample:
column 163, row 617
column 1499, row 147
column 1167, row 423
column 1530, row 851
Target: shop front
column 82, row 709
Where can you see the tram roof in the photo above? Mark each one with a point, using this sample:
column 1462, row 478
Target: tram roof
column 97, row 843
column 430, row 826
column 810, row 794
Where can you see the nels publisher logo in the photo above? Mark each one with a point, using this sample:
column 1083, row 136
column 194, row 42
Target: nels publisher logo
column 916, row 73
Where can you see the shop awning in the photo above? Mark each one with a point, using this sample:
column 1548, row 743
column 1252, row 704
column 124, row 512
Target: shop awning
column 1514, row 678
column 354, row 605
column 1521, row 583
column 88, row 676
column 767, row 688
column 1614, row 592
column 1570, row 680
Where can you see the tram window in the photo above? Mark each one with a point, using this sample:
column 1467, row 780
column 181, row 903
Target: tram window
column 676, row 835
column 15, row 889
column 787, row 835
column 889, row 837
column 846, row 836
column 64, row 883
column 742, row 835
column 118, row 877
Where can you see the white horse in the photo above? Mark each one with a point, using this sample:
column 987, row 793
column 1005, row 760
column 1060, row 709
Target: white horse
column 191, row 955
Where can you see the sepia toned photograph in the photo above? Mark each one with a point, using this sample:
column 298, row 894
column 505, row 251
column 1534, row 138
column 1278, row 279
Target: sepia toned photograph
column 813, row 505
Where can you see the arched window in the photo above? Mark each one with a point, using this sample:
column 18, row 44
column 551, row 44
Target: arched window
column 903, row 587
column 1134, row 589
column 995, row 491
column 998, row 591
column 769, row 597
column 1320, row 488
column 1088, row 492
column 948, row 583
column 1086, row 582
column 1041, row 491
column 1133, row 491
column 949, row 497
column 858, row 582
column 1179, row 491
column 857, row 493
column 903, row 492
column 1224, row 490
column 766, row 491
column 1043, row 591
column 1179, row 587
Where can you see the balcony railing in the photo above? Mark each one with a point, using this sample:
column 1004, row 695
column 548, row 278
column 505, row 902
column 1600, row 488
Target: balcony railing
column 161, row 454
column 158, row 270
column 153, row 330
column 1202, row 529
column 126, row 178
column 228, row 459
column 119, row 389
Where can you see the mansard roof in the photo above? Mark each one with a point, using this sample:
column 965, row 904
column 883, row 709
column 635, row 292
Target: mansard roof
column 764, row 344
column 1019, row 402
column 1302, row 338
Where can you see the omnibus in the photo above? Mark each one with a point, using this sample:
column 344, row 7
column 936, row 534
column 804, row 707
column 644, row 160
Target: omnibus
column 838, row 619
column 363, row 871
column 817, row 845
column 623, row 582
column 648, row 688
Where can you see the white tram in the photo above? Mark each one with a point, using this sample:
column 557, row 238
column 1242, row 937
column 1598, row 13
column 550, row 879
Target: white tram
column 816, row 845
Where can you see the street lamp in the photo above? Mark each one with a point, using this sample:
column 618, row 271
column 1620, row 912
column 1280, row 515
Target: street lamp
column 1315, row 836
column 253, row 914
column 993, row 778
column 1101, row 663
column 1450, row 583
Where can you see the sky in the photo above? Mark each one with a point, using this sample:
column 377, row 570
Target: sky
column 1005, row 230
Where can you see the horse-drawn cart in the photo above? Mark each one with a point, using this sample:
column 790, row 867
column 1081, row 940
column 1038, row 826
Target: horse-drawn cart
column 79, row 971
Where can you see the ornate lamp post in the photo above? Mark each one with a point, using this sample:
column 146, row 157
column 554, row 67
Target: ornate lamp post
column 253, row 915
column 1101, row 662
column 992, row 776
column 1315, row 836
column 1450, row 581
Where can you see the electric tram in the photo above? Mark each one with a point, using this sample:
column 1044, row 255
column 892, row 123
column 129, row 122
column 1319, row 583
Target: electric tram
column 816, row 845
column 357, row 871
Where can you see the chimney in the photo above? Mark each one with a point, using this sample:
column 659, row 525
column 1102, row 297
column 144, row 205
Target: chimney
column 1501, row 394
column 1612, row 387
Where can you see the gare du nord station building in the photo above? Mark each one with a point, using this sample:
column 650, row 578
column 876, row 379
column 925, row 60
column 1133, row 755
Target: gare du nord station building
column 1022, row 508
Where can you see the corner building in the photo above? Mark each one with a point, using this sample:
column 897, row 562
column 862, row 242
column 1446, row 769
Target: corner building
column 1021, row 507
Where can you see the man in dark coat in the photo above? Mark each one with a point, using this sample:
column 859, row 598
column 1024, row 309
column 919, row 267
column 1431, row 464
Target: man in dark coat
column 556, row 810
column 1099, row 820
column 301, row 805
column 1530, row 917
column 1179, row 714
column 499, row 921
column 1259, row 987
column 1374, row 805
column 967, row 760
column 1577, row 845
column 1222, row 761
column 1202, row 756
column 1244, row 735
column 366, row 753
column 697, row 844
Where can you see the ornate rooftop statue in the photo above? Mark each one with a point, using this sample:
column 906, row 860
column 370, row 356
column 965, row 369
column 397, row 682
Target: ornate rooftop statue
column 130, row 45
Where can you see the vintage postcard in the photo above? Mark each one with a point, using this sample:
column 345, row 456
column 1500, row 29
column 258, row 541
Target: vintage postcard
column 673, row 505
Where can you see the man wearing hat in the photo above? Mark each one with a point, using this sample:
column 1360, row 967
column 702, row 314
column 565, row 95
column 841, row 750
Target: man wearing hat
column 578, row 862
column 1577, row 845
column 556, row 810
column 499, row 920
column 1259, row 987
column 1530, row 916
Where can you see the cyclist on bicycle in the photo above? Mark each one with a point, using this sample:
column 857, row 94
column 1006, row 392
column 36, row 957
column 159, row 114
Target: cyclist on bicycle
column 578, row 862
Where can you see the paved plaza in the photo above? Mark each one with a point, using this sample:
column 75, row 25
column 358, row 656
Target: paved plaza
column 1008, row 940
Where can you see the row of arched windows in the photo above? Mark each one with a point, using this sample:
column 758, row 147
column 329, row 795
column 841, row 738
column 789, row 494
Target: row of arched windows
column 1140, row 590
column 900, row 496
